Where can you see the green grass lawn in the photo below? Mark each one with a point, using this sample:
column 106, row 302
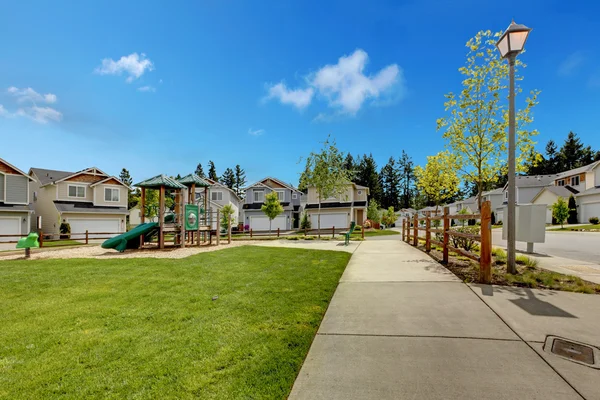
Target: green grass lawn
column 568, row 228
column 376, row 232
column 149, row 328
column 64, row 242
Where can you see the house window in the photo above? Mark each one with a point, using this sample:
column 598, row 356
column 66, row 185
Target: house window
column 111, row 194
column 294, row 196
column 280, row 195
column 560, row 182
column 359, row 192
column 575, row 180
column 76, row 191
column 216, row 196
column 259, row 196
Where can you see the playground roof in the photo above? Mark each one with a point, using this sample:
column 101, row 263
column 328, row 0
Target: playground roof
column 190, row 179
column 160, row 180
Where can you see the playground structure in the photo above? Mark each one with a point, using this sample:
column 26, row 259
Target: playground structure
column 190, row 222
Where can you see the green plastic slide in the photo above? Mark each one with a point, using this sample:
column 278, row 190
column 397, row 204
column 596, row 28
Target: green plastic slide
column 130, row 239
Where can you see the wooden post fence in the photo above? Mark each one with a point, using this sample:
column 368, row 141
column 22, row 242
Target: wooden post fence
column 333, row 232
column 416, row 231
column 277, row 232
column 250, row 233
column 484, row 258
column 428, row 231
column 87, row 237
column 41, row 238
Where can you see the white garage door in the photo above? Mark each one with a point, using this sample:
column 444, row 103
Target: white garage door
column 587, row 211
column 260, row 223
column 80, row 225
column 9, row 226
column 329, row 220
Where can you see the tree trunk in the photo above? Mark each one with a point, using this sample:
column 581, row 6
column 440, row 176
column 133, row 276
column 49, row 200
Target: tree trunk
column 319, row 220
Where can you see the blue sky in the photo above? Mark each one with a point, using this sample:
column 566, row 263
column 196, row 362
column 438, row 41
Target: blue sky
column 159, row 87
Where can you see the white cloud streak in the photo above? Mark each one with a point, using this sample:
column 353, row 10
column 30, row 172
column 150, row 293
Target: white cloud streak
column 134, row 65
column 28, row 96
column 570, row 65
column 345, row 85
column 256, row 132
column 146, row 89
column 299, row 98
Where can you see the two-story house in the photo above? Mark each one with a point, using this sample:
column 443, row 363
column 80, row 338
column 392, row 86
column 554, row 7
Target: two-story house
column 15, row 210
column 496, row 199
column 89, row 200
column 289, row 197
column 583, row 183
column 338, row 211
column 219, row 196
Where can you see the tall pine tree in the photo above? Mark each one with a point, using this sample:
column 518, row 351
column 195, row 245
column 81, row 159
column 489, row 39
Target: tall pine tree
column 350, row 166
column 407, row 180
column 367, row 175
column 390, row 180
column 212, row 171
column 573, row 154
column 240, row 180
column 228, row 178
column 200, row 171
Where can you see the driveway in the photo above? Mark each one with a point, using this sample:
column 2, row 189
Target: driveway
column 580, row 246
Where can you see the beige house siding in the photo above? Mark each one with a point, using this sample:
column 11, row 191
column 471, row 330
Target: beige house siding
column 313, row 197
column 44, row 207
column 2, row 187
column 63, row 191
column 546, row 197
column 360, row 197
column 99, row 196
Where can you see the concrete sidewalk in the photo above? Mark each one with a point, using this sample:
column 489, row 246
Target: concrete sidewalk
column 402, row 326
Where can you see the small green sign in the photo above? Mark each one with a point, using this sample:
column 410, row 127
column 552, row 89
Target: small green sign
column 191, row 217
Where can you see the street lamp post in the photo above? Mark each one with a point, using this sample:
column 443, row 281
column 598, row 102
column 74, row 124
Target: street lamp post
column 510, row 44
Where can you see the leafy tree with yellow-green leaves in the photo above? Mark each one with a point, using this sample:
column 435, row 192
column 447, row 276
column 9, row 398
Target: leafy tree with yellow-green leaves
column 477, row 122
column 438, row 180
column 272, row 208
column 560, row 211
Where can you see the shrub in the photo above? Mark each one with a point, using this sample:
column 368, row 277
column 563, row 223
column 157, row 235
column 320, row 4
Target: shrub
column 594, row 220
column 246, row 227
column 499, row 223
column 65, row 230
column 305, row 222
column 493, row 218
column 373, row 211
column 572, row 219
column 560, row 211
column 465, row 243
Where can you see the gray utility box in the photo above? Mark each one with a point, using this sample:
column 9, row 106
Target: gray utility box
column 531, row 223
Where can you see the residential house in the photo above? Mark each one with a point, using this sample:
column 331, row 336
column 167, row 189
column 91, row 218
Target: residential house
column 89, row 200
column 496, row 199
column 583, row 183
column 527, row 187
column 15, row 210
column 403, row 214
column 470, row 205
column 338, row 211
column 219, row 196
column 289, row 197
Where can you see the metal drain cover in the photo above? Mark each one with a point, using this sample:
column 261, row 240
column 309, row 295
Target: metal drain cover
column 574, row 351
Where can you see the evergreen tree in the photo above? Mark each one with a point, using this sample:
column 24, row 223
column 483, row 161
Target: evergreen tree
column 240, row 180
column 572, row 219
column 551, row 159
column 228, row 178
column 367, row 176
column 200, row 171
column 350, row 166
column 573, row 154
column 407, row 179
column 303, row 182
column 125, row 177
column 390, row 179
column 178, row 177
column 212, row 171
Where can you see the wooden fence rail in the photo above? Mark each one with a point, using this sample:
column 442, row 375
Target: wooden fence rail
column 484, row 237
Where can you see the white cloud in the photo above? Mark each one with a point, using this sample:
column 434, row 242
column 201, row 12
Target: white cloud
column 135, row 65
column 256, row 132
column 30, row 95
column 146, row 89
column 345, row 85
column 33, row 111
column 299, row 98
column 40, row 114
column 571, row 63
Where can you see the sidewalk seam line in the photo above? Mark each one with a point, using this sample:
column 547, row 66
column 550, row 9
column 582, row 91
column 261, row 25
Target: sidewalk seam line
column 528, row 345
column 419, row 336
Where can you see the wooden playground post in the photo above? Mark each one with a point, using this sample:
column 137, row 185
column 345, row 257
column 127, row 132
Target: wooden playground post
column 485, row 255
column 218, row 228
column 41, row 238
column 416, row 231
column 250, row 233
column 277, row 232
column 161, row 218
column 229, row 230
column 428, row 232
column 446, row 235
column 181, row 217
